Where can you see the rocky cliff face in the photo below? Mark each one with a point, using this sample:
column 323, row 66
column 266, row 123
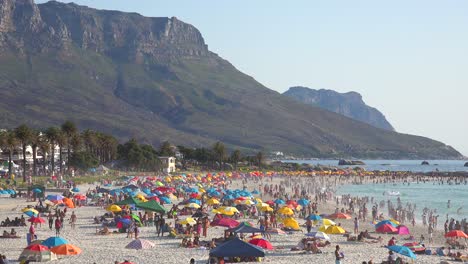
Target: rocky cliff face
column 154, row 79
column 348, row 104
column 128, row 37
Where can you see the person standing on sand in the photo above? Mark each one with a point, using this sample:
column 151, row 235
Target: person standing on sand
column 73, row 220
column 356, row 225
column 51, row 220
column 338, row 255
column 58, row 226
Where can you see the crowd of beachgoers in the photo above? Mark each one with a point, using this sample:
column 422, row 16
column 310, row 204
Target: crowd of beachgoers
column 285, row 214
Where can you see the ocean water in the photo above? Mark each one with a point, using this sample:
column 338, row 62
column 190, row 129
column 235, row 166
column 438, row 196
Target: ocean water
column 430, row 195
column 397, row 165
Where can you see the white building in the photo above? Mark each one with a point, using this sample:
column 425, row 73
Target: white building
column 169, row 164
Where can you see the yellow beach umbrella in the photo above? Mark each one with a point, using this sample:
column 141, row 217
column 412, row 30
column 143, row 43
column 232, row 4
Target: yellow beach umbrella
column 34, row 211
column 258, row 200
column 334, row 230
column 248, row 202
column 212, row 201
column 291, row 223
column 192, row 205
column 114, row 208
column 323, row 228
column 188, row 220
column 285, row 211
column 328, row 222
column 228, row 210
column 215, row 211
column 394, row 221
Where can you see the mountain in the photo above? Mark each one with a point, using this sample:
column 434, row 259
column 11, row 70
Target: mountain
column 155, row 79
column 348, row 104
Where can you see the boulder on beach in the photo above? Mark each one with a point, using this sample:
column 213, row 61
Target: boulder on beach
column 350, row 162
column 466, row 164
column 425, row 163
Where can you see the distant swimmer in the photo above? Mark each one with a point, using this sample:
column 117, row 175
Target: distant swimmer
column 448, row 204
column 459, row 210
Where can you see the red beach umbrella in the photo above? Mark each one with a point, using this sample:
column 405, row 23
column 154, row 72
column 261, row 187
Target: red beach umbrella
column 36, row 220
column 339, row 216
column 260, row 242
column 37, row 247
column 456, row 233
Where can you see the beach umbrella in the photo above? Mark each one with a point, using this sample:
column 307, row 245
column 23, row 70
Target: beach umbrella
column 318, row 234
column 386, row 228
column 260, row 242
column 328, row 222
column 285, row 211
column 402, row 250
column 188, row 220
column 402, row 230
column 140, row 244
column 36, row 220
column 123, row 222
column 75, row 190
column 127, row 262
column 192, row 205
column 291, row 223
column 385, row 222
column 80, row 197
column 323, row 228
column 114, row 208
column 36, row 242
column 212, row 201
column 279, row 201
column 66, row 249
column 165, row 199
column 37, row 253
column 31, row 213
column 248, row 202
column 225, row 222
column 456, row 233
column 314, row 217
column 415, row 247
column 53, row 197
column 339, row 216
column 334, row 230
column 68, row 202
column 54, row 241
column 36, row 190
column 228, row 210
column 394, row 221
column 303, row 202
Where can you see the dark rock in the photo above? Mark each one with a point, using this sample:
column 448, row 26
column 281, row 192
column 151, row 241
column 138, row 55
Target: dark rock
column 425, row 163
column 348, row 104
column 350, row 162
column 466, row 164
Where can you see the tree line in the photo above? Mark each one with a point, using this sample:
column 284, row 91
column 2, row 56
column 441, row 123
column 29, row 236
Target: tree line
column 88, row 149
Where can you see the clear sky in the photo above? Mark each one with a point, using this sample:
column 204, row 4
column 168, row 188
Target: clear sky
column 409, row 59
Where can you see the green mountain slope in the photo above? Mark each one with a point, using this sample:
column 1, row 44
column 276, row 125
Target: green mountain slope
column 155, row 79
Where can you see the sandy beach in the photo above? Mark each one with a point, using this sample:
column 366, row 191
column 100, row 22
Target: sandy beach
column 110, row 248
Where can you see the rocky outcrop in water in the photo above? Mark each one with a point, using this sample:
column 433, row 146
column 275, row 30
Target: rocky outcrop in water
column 350, row 162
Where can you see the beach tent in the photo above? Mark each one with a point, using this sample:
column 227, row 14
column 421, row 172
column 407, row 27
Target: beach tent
column 37, row 253
column 237, row 248
column 386, row 228
column 402, row 230
column 385, row 222
column 140, row 244
column 152, row 205
column 225, row 222
column 129, row 200
column 66, row 249
column 244, row 228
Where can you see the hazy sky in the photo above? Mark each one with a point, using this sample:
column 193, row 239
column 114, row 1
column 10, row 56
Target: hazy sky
column 409, row 59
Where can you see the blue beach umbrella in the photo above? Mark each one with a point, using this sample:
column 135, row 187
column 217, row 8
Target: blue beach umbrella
column 314, row 217
column 402, row 250
column 52, row 197
column 30, row 213
column 385, row 222
column 255, row 192
column 303, row 202
column 75, row 189
column 279, row 201
column 165, row 199
column 36, row 190
column 54, row 241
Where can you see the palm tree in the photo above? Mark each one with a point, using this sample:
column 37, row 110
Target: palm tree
column 70, row 130
column 219, row 152
column 44, row 146
column 259, row 158
column 35, row 135
column 23, row 134
column 90, row 140
column 52, row 134
column 10, row 144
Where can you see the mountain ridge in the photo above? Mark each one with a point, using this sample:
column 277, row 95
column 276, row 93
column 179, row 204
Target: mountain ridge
column 349, row 104
column 154, row 79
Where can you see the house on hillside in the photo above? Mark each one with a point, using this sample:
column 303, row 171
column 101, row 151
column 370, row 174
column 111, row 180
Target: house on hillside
column 169, row 164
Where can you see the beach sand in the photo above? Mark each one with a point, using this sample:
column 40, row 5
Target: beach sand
column 110, row 248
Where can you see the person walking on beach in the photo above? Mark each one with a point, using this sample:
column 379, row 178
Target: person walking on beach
column 430, row 231
column 58, row 226
column 51, row 220
column 162, row 223
column 338, row 255
column 356, row 225
column 73, row 220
